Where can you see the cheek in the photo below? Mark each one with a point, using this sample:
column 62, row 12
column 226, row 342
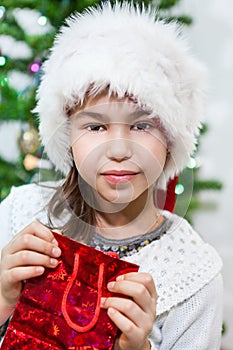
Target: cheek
column 82, row 146
column 160, row 154
column 159, row 149
column 87, row 158
column 79, row 151
column 154, row 159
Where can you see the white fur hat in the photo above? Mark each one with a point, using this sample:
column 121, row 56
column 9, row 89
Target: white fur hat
column 127, row 50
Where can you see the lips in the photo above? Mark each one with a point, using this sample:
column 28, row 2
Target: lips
column 119, row 176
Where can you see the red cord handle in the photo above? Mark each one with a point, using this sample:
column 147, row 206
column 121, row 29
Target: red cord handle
column 73, row 325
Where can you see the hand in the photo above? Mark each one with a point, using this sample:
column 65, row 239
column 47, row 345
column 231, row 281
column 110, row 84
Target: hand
column 25, row 256
column 134, row 316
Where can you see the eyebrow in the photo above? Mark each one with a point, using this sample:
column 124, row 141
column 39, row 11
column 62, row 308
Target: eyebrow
column 100, row 116
column 138, row 113
column 90, row 114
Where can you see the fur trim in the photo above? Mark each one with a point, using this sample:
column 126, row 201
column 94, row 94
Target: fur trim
column 128, row 50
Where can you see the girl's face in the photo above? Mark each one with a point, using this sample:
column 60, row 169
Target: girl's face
column 117, row 149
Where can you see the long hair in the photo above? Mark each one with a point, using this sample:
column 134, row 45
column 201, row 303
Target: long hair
column 69, row 199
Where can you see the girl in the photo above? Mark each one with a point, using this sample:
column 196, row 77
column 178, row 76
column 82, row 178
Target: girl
column 119, row 104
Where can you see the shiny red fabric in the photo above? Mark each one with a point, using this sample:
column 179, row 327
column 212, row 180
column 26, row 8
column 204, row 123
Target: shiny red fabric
column 59, row 310
column 171, row 195
column 167, row 199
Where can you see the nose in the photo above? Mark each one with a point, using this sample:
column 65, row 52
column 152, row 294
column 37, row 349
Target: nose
column 119, row 149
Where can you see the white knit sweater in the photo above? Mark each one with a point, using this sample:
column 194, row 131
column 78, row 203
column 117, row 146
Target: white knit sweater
column 186, row 271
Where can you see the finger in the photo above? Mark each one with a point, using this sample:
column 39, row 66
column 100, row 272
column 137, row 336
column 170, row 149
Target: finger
column 130, row 310
column 141, row 277
column 34, row 243
column 137, row 291
column 39, row 230
column 30, row 258
column 35, row 229
column 19, row 274
column 131, row 333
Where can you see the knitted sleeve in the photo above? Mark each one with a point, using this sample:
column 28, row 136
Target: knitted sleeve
column 194, row 324
column 5, row 210
column 5, row 237
column 23, row 205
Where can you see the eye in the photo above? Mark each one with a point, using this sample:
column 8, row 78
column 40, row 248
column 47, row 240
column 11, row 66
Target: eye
column 142, row 126
column 95, row 127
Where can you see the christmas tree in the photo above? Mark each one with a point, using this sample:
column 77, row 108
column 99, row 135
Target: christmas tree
column 27, row 30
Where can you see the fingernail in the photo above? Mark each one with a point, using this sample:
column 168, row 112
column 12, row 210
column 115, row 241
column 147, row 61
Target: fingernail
column 53, row 262
column 56, row 251
column 54, row 242
column 111, row 285
column 120, row 278
column 102, row 302
column 111, row 311
column 40, row 269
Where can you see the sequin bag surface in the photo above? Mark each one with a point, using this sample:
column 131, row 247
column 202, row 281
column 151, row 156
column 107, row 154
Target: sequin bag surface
column 61, row 308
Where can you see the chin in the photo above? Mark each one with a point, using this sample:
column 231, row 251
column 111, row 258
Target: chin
column 118, row 197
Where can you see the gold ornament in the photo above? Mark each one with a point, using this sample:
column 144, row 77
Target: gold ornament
column 29, row 141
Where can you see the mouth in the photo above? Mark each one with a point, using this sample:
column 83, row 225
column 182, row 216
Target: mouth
column 119, row 176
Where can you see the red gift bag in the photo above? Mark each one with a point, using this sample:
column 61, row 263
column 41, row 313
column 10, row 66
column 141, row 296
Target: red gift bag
column 61, row 308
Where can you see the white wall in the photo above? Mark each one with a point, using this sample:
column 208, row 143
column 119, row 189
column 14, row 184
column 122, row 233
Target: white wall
column 211, row 37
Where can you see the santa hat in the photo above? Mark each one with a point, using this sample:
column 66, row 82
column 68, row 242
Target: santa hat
column 132, row 53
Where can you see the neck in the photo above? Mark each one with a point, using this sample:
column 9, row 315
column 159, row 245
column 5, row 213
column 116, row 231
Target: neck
column 140, row 216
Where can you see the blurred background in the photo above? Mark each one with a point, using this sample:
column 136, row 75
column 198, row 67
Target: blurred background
column 211, row 37
column 205, row 189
